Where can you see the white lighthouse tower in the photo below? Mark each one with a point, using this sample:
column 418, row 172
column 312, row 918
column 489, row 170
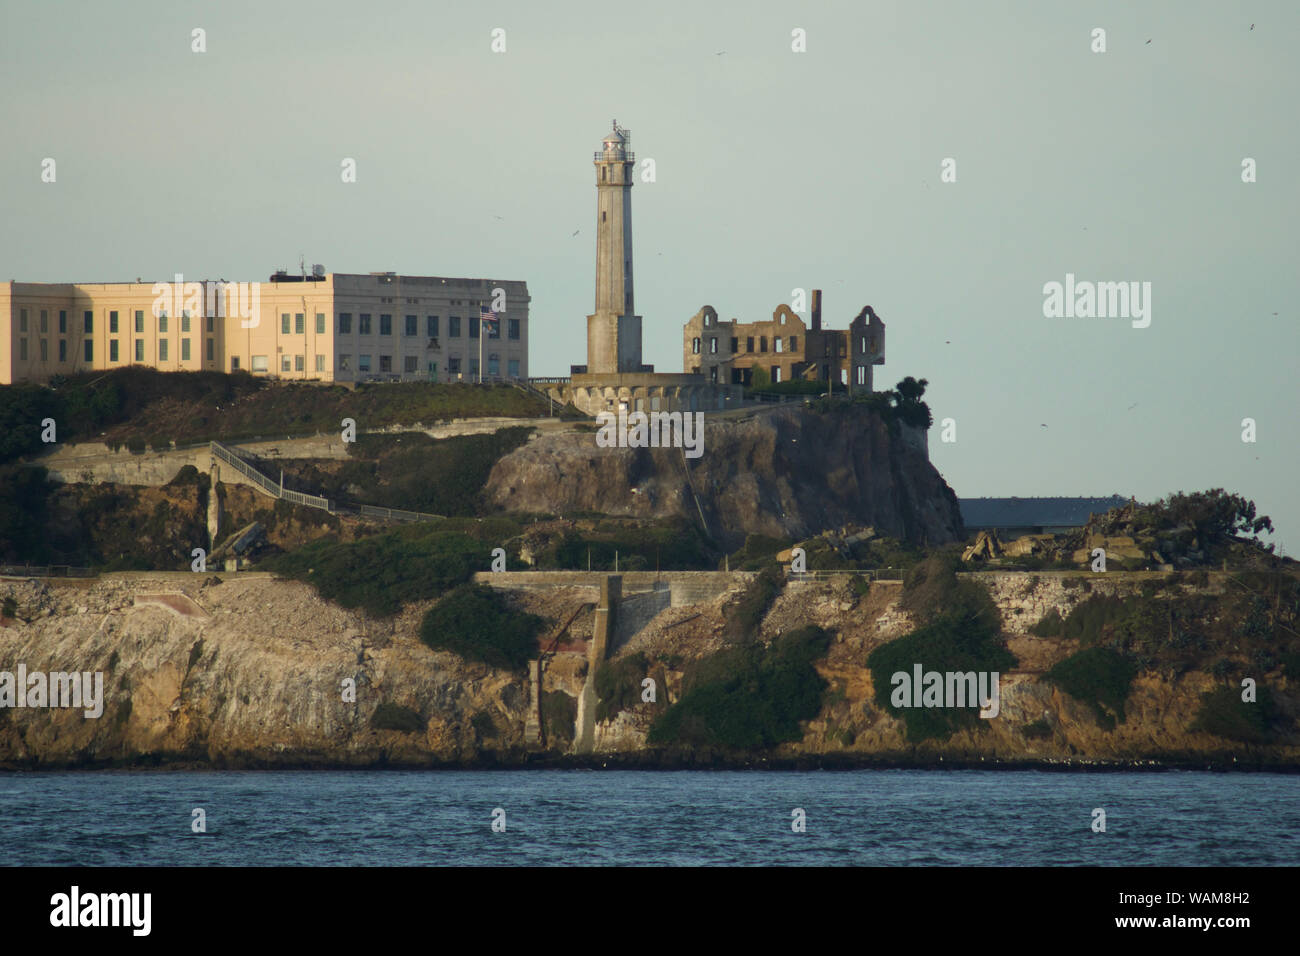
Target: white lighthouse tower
column 614, row 329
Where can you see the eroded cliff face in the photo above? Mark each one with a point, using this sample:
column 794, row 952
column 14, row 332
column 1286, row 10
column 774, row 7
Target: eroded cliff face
column 784, row 472
column 249, row 671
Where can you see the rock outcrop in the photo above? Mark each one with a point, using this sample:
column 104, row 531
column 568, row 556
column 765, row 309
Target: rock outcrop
column 784, row 472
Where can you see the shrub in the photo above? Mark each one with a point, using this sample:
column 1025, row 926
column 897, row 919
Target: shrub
column 932, row 590
column 475, row 622
column 559, row 712
column 957, row 642
column 1038, row 729
column 396, row 717
column 618, row 685
column 859, row 585
column 746, row 616
column 1049, row 625
column 1100, row 677
column 382, row 572
column 748, row 697
column 484, row 725
column 1224, row 714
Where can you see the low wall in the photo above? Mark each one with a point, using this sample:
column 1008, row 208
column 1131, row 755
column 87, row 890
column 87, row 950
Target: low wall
column 684, row 587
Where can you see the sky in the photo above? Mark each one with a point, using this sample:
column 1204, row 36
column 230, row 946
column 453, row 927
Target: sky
column 774, row 170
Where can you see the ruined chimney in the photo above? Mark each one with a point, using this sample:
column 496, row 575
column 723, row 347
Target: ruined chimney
column 816, row 310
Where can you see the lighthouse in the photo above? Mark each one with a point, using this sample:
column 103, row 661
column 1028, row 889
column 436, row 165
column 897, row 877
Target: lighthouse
column 614, row 328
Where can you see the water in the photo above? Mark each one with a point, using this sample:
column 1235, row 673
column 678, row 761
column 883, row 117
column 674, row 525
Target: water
column 870, row 817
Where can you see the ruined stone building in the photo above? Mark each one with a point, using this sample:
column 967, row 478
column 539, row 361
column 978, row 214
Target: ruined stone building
column 727, row 352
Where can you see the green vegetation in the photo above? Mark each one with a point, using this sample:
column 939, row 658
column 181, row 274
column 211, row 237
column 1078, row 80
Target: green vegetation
column 746, row 616
column 860, row 585
column 484, row 725
column 140, row 406
column 1224, row 714
column 932, row 590
column 748, row 697
column 961, row 641
column 559, row 713
column 475, row 622
column 1038, row 729
column 618, row 685
column 381, row 573
column 759, row 552
column 396, row 717
column 1100, row 677
column 640, row 545
column 899, row 405
column 24, row 521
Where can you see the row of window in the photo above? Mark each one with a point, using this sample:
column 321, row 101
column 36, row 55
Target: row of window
column 88, row 349
column 295, row 324
column 88, row 322
column 777, row 342
column 412, row 325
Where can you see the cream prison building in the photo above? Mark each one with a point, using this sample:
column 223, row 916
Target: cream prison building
column 332, row 327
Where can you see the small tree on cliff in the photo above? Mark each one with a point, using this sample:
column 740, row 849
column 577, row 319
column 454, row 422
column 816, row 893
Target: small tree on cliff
column 907, row 404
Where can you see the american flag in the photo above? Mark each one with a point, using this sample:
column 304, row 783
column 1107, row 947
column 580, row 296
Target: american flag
column 486, row 315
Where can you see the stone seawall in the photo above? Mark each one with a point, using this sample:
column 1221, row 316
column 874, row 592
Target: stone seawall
column 685, row 587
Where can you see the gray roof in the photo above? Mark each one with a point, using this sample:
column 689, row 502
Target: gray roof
column 1034, row 512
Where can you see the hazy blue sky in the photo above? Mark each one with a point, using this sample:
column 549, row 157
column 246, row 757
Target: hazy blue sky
column 775, row 170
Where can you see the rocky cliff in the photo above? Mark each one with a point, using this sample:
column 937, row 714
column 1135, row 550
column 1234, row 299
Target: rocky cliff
column 786, row 472
column 248, row 670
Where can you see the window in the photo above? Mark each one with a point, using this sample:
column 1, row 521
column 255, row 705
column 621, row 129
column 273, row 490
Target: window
column 695, row 345
column 112, row 322
column 862, row 375
column 473, row 326
column 363, row 363
column 320, row 323
column 88, row 350
column 162, row 323
column 209, row 323
column 139, row 322
column 234, row 363
column 410, row 364
column 749, row 344
column 63, row 350
column 284, row 363
column 211, row 349
column 453, row 327
column 713, row 345
column 513, row 367
column 431, row 326
column 299, row 363
column 185, row 350
column 345, row 323
column 284, row 323
column 794, row 343
column 22, row 349
column 494, row 365
column 385, row 363
column 63, row 322
column 45, row 322
column 45, row 350
column 363, row 323
column 776, row 373
column 412, row 326
column 512, row 329
column 345, row 363
column 139, row 350
column 185, row 321
column 112, row 350
column 433, row 371
column 453, row 366
column 473, row 367
column 385, row 324
column 22, row 321
column 320, row 361
column 776, row 343
column 735, row 345
column 162, row 350
column 762, row 343
column 298, row 324
column 259, row 363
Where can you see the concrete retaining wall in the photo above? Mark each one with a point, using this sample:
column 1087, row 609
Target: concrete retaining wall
column 685, row 587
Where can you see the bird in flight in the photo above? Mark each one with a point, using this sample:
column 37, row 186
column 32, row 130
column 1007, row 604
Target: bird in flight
column 1131, row 407
column 720, row 53
column 1043, row 424
column 1148, row 41
column 1252, row 26
column 500, row 217
column 575, row 232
